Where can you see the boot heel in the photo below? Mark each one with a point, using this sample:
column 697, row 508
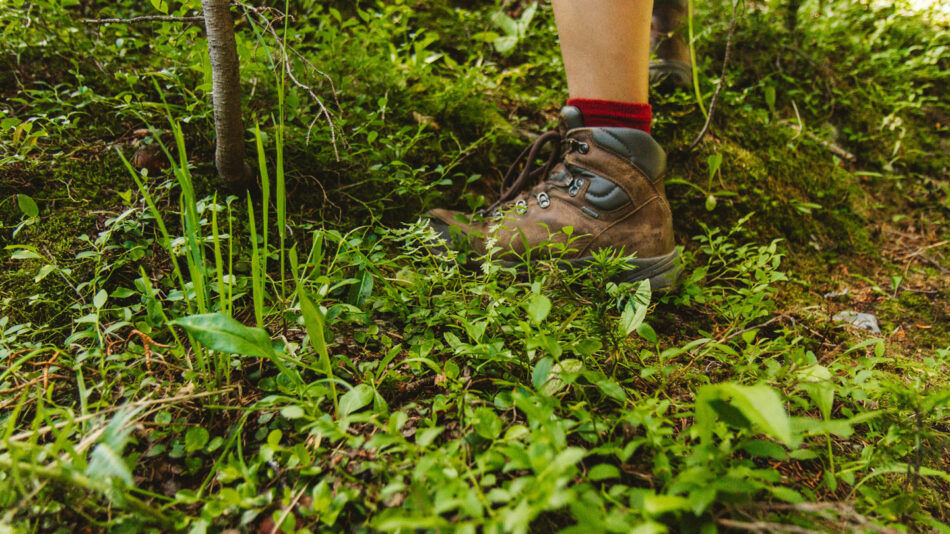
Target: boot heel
column 661, row 271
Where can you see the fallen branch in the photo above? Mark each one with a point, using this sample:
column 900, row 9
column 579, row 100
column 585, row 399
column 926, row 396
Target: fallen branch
column 763, row 526
column 145, row 18
column 833, row 148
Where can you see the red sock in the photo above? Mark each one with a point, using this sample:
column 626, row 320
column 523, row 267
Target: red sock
column 609, row 113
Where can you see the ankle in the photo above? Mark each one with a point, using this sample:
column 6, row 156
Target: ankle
column 609, row 113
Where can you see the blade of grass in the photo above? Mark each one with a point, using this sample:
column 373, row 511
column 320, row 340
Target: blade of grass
column 314, row 322
column 218, row 259
column 257, row 281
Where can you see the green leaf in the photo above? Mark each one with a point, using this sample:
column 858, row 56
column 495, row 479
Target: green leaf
column 292, row 412
column 786, row 494
column 25, row 254
column 555, row 382
column 714, row 161
column 541, row 371
column 655, row 505
column 100, row 299
column 27, row 205
column 314, row 321
column 538, row 308
column 196, row 438
column 647, row 332
column 636, row 310
column 486, row 423
column 603, row 472
column 222, row 333
column 611, row 389
column 817, row 383
column 160, row 5
column 427, row 436
column 356, row 399
column 761, row 405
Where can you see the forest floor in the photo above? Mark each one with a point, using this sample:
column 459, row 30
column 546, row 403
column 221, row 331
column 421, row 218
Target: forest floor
column 176, row 355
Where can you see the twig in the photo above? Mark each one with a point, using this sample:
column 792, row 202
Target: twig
column 145, row 18
column 171, row 400
column 288, row 510
column 833, row 148
column 285, row 56
column 763, row 526
column 842, row 511
column 722, row 78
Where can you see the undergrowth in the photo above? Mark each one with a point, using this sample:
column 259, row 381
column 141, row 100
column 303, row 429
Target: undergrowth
column 300, row 358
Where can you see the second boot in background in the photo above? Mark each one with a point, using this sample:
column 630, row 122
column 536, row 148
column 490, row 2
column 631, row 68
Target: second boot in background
column 670, row 65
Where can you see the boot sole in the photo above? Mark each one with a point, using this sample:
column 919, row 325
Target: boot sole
column 662, row 271
column 670, row 74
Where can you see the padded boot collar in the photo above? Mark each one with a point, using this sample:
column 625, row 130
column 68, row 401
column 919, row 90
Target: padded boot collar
column 635, row 145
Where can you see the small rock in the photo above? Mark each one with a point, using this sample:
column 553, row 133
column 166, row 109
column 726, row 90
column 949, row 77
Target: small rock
column 863, row 321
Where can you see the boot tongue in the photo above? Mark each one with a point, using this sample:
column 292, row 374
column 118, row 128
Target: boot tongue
column 571, row 118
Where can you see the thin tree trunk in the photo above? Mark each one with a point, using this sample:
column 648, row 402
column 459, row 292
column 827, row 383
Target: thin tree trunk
column 226, row 92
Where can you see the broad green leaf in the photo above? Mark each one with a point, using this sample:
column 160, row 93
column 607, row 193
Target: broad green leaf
column 222, row 333
column 27, row 205
column 655, row 505
column 603, row 472
column 486, row 423
column 541, row 371
column 292, row 412
column 100, row 299
column 160, row 5
column 611, row 389
column 196, row 438
column 24, row 254
column 817, row 383
column 424, row 438
column 538, row 307
column 636, row 309
column 647, row 332
column 786, row 494
column 761, row 405
column 555, row 382
column 355, row 399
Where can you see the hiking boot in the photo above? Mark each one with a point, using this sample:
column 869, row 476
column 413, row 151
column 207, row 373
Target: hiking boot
column 670, row 66
column 603, row 182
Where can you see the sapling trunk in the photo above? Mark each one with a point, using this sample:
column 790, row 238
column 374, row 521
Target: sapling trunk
column 226, row 92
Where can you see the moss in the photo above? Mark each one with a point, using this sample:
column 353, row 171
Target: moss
column 70, row 193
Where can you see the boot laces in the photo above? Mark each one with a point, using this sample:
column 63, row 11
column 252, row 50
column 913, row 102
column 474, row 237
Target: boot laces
column 525, row 171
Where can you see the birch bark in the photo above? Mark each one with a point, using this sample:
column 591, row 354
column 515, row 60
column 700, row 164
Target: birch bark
column 225, row 92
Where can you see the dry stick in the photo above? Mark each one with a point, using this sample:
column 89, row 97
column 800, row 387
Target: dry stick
column 171, row 400
column 762, row 526
column 722, row 79
column 324, row 112
column 145, row 18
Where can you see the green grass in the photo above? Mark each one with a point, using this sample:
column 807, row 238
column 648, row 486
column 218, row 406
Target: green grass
column 177, row 356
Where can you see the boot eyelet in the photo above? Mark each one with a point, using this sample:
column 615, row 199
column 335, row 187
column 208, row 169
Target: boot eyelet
column 583, row 148
column 521, row 206
column 576, row 187
column 544, row 200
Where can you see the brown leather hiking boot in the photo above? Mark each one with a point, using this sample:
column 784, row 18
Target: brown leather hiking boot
column 603, row 182
column 670, row 66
